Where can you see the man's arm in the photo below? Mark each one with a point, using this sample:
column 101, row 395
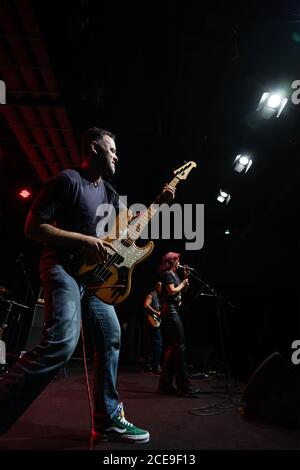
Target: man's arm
column 147, row 304
column 37, row 229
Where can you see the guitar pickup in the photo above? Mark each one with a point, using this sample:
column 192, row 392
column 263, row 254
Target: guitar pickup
column 118, row 259
column 126, row 242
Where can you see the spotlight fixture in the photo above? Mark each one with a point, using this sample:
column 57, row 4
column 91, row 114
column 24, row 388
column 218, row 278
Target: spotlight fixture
column 271, row 104
column 223, row 196
column 242, row 163
column 227, row 232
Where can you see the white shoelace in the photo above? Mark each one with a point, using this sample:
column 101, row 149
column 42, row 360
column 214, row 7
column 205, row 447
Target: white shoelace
column 124, row 421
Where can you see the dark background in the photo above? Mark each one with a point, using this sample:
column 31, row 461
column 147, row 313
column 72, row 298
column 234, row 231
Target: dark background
column 181, row 81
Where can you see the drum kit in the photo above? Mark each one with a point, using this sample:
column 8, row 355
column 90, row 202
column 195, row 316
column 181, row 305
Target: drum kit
column 9, row 304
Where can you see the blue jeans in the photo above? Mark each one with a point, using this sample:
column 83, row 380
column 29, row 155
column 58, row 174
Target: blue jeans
column 30, row 375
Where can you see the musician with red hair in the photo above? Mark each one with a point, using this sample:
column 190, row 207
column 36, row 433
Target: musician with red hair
column 174, row 369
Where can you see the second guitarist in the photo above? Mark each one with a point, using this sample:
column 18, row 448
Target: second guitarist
column 152, row 330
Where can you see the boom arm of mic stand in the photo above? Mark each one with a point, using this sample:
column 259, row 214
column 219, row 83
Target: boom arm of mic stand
column 210, row 289
column 220, row 301
column 196, row 276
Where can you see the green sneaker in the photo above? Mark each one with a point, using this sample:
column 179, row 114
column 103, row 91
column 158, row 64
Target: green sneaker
column 120, row 428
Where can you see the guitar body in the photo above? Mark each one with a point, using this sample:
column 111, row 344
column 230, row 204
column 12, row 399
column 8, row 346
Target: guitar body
column 111, row 282
column 153, row 320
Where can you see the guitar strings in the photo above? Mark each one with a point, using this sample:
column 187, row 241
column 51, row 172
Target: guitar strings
column 128, row 239
column 103, row 267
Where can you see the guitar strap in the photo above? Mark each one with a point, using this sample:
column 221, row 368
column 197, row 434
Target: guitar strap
column 112, row 189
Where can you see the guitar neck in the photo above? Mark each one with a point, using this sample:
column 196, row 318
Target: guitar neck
column 134, row 232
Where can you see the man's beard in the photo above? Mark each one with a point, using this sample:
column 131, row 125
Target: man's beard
column 106, row 168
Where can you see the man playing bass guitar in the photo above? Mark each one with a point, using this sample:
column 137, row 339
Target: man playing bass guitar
column 64, row 218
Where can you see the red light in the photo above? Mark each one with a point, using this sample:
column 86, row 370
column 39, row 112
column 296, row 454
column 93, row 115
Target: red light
column 25, row 194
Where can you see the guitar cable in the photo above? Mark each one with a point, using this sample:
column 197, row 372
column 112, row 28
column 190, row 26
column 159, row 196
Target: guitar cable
column 87, row 384
column 86, row 374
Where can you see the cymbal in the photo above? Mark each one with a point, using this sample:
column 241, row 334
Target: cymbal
column 3, row 290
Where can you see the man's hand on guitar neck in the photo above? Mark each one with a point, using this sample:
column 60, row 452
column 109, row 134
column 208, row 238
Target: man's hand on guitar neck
column 167, row 195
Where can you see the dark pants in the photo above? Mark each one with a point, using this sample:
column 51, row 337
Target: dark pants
column 174, row 364
column 154, row 346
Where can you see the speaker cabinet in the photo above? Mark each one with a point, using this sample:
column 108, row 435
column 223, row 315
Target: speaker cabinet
column 273, row 392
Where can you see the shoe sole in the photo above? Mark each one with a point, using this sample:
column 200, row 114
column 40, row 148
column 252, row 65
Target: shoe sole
column 117, row 437
column 189, row 395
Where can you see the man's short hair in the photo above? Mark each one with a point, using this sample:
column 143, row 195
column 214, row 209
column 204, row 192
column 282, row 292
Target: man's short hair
column 93, row 133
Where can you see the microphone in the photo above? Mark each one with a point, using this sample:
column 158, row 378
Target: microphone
column 186, row 267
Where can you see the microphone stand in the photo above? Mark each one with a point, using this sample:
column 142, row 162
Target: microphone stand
column 29, row 288
column 220, row 301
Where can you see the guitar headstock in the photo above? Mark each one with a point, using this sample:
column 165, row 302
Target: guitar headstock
column 183, row 172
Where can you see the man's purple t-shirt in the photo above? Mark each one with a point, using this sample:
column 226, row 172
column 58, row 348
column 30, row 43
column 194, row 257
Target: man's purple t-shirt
column 71, row 202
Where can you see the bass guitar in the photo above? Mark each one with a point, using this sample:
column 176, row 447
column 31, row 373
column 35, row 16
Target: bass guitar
column 154, row 320
column 111, row 281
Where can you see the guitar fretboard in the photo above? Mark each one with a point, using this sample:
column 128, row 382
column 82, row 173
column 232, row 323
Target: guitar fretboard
column 134, row 231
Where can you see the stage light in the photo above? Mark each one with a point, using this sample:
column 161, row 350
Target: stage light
column 227, row 232
column 271, row 104
column 24, row 194
column 274, row 101
column 223, row 196
column 242, row 163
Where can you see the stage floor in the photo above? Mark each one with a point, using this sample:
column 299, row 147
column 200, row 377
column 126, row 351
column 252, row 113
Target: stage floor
column 59, row 418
